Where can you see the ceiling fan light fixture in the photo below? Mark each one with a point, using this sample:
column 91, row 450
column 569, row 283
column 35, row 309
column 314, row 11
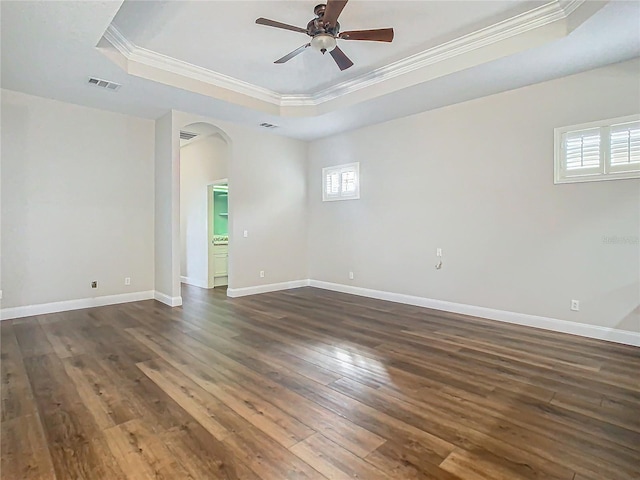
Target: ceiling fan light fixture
column 323, row 42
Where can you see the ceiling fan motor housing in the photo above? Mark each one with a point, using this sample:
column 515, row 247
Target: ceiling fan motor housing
column 318, row 10
column 317, row 26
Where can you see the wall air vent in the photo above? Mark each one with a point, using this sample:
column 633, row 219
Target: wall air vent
column 268, row 125
column 187, row 135
column 97, row 82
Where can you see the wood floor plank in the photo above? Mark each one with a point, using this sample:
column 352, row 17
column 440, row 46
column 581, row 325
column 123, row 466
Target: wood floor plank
column 550, row 419
column 308, row 383
column 456, row 430
column 203, row 456
column 142, row 454
column 257, row 411
column 255, row 389
column 333, row 461
column 25, row 454
column 383, row 425
column 618, row 460
column 471, row 466
column 268, row 459
column 103, row 397
column 206, row 409
column 615, row 412
column 31, row 338
column 265, row 378
column 62, row 338
column 76, row 443
column 139, row 394
column 401, row 461
column 15, row 390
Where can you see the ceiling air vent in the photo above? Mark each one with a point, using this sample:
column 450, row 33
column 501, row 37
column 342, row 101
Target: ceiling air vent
column 97, row 82
column 187, row 135
column 268, row 125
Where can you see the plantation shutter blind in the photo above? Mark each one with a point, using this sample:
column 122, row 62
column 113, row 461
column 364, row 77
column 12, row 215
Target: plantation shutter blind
column 624, row 140
column 332, row 184
column 341, row 182
column 601, row 150
column 582, row 151
column 349, row 181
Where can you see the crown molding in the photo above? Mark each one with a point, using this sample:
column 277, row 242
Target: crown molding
column 533, row 19
column 570, row 6
column 536, row 18
column 134, row 53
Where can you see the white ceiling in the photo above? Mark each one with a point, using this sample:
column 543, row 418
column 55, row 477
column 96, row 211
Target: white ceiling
column 222, row 36
column 48, row 49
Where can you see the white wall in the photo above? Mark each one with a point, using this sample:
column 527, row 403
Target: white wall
column 77, row 201
column 201, row 163
column 476, row 179
column 267, row 197
column 166, row 181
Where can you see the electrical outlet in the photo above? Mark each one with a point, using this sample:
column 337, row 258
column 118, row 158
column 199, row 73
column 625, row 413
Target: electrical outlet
column 575, row 305
column 94, row 284
column 261, row 273
column 438, row 252
column 245, row 234
column 127, row 280
column 350, row 275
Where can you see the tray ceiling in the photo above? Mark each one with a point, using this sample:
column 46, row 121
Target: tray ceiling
column 49, row 50
column 222, row 36
column 216, row 49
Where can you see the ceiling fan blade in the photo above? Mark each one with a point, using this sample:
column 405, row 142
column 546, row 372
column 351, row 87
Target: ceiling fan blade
column 333, row 11
column 341, row 59
column 284, row 26
column 289, row 56
column 379, row 35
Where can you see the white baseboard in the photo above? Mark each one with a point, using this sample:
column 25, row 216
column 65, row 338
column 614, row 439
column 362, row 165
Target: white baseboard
column 167, row 300
column 54, row 307
column 546, row 323
column 196, row 282
column 272, row 287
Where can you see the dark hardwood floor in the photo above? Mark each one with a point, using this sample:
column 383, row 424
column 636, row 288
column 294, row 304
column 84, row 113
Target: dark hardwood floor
column 311, row 384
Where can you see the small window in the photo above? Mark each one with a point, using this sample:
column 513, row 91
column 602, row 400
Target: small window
column 341, row 182
column 606, row 150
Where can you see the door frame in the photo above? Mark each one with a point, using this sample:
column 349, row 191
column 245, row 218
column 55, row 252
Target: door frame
column 210, row 212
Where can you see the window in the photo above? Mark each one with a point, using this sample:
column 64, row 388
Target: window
column 606, row 150
column 341, row 182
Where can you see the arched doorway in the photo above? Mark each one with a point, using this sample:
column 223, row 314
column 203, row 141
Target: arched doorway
column 204, row 232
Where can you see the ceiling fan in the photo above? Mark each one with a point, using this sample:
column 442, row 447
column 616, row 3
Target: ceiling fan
column 324, row 31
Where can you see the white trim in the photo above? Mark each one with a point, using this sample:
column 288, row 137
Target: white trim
column 272, row 287
column 599, row 123
column 591, row 331
column 167, row 300
column 536, row 18
column 134, row 53
column 196, row 282
column 570, row 6
column 340, row 170
column 596, row 174
column 517, row 25
column 54, row 307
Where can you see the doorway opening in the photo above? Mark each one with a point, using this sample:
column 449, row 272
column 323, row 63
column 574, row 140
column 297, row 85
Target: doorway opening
column 218, row 215
column 204, row 154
